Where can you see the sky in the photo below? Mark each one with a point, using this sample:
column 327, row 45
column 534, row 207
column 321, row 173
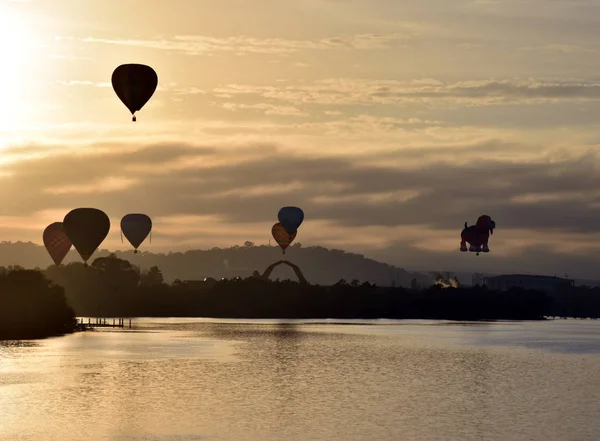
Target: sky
column 390, row 122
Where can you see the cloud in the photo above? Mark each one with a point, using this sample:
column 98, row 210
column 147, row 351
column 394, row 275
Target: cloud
column 219, row 196
column 202, row 45
column 351, row 91
column 83, row 83
column 468, row 46
column 172, row 88
column 556, row 48
column 189, row 180
column 268, row 109
column 370, row 122
column 111, row 184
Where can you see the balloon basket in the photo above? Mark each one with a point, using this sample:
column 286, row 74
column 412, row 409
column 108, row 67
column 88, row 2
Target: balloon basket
column 133, row 118
column 135, row 251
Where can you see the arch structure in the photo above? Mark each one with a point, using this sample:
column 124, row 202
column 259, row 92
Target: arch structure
column 270, row 268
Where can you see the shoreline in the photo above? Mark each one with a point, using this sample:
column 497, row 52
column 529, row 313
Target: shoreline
column 86, row 327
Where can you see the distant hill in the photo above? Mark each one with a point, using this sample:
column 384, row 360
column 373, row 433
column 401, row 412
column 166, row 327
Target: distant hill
column 319, row 265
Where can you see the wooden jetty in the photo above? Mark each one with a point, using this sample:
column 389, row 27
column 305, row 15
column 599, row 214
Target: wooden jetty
column 103, row 323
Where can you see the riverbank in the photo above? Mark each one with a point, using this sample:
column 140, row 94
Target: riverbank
column 37, row 334
column 33, row 307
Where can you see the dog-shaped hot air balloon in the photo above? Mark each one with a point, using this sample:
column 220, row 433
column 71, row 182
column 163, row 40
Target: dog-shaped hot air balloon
column 477, row 235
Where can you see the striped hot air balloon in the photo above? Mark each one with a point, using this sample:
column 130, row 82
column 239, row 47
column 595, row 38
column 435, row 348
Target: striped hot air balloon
column 56, row 242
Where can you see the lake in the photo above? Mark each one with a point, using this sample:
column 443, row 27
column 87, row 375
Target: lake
column 203, row 379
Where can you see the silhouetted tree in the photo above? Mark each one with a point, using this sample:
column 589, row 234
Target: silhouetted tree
column 177, row 283
column 31, row 306
column 318, row 264
column 110, row 288
column 152, row 277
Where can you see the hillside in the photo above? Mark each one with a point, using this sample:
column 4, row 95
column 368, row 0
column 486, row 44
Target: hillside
column 319, row 265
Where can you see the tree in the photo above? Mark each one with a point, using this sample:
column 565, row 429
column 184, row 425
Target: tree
column 177, row 283
column 84, row 286
column 31, row 306
column 152, row 277
column 112, row 264
column 117, row 286
column 249, row 244
column 118, row 271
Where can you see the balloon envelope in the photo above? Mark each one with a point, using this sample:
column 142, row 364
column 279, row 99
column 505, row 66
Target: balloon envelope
column 134, row 84
column 86, row 228
column 281, row 236
column 291, row 218
column 136, row 227
column 56, row 242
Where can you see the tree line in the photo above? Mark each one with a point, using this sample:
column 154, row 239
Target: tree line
column 319, row 265
column 41, row 303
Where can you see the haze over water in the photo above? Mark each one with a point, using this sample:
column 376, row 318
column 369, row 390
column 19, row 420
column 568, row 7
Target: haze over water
column 199, row 379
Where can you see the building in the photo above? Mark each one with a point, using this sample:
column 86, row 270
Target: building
column 547, row 284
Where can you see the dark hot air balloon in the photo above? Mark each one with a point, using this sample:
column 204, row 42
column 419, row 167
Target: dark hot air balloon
column 134, row 84
column 281, row 236
column 56, row 242
column 136, row 227
column 86, row 228
column 477, row 236
column 291, row 218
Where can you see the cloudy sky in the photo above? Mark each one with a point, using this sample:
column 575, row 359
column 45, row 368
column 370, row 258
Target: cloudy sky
column 390, row 122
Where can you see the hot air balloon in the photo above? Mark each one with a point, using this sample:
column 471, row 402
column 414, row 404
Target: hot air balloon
column 56, row 242
column 281, row 236
column 134, row 84
column 136, row 227
column 477, row 235
column 291, row 218
column 86, row 228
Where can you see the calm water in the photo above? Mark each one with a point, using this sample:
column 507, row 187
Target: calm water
column 181, row 379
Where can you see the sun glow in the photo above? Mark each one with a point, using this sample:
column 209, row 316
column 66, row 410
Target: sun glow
column 17, row 45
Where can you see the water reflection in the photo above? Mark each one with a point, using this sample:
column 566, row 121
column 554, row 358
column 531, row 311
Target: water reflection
column 178, row 379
